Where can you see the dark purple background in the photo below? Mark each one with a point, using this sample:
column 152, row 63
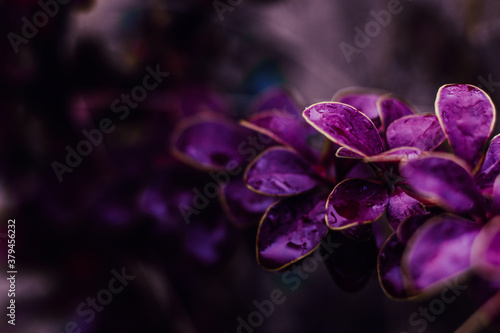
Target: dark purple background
column 199, row 277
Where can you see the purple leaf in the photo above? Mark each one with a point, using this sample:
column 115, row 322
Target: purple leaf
column 174, row 196
column 400, row 206
column 467, row 116
column 280, row 171
column 389, row 268
column 363, row 99
column 442, row 179
column 244, row 207
column 408, row 226
column 208, row 144
column 419, row 131
column 285, row 129
column 355, row 201
column 491, row 166
column 485, row 254
column 276, row 99
column 391, row 108
column 291, row 229
column 346, row 126
column 439, row 250
column 209, row 238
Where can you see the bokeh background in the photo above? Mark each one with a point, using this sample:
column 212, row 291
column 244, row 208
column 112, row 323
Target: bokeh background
column 118, row 209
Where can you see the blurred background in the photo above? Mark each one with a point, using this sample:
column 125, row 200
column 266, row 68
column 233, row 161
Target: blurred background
column 118, row 208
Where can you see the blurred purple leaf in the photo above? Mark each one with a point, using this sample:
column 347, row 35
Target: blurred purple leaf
column 285, row 129
column 408, row 226
column 495, row 202
column 363, row 99
column 209, row 238
column 439, row 250
column 209, row 143
column 485, row 255
column 276, row 99
column 242, row 205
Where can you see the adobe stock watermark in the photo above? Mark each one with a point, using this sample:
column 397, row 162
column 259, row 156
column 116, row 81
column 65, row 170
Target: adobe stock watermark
column 425, row 315
column 222, row 6
column 120, row 106
column 29, row 30
column 249, row 149
column 488, row 84
column 87, row 309
column 372, row 29
column 292, row 279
